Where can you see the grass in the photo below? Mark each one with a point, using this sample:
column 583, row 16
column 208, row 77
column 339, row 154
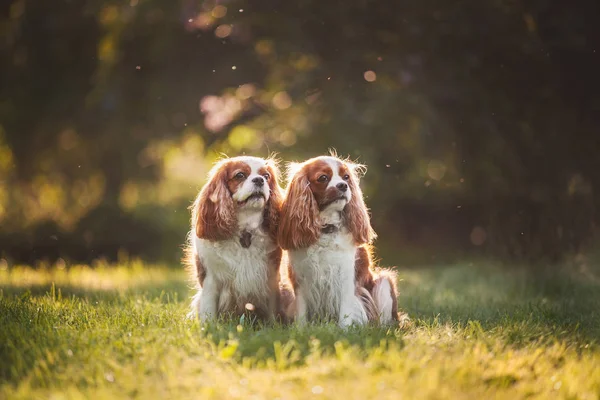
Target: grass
column 120, row 332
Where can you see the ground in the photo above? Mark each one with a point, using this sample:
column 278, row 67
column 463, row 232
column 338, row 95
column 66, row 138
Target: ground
column 478, row 331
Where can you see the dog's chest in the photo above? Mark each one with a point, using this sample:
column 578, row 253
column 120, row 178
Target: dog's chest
column 245, row 269
column 327, row 260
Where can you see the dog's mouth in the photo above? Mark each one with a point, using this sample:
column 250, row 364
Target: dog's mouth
column 253, row 196
column 341, row 197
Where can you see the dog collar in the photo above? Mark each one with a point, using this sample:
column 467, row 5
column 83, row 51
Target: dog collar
column 329, row 228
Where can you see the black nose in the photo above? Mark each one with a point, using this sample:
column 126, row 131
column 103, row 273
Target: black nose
column 258, row 181
column 342, row 186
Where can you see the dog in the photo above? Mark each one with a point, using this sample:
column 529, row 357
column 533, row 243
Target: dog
column 326, row 229
column 232, row 248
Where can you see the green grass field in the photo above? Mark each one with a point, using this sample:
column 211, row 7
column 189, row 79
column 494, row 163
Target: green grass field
column 120, row 332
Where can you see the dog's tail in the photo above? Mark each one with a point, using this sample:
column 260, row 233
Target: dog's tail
column 385, row 297
column 368, row 303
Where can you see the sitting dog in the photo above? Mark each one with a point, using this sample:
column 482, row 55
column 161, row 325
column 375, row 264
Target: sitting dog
column 232, row 249
column 326, row 229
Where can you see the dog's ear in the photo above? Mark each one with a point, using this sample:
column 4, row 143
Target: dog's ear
column 300, row 225
column 356, row 215
column 273, row 207
column 213, row 212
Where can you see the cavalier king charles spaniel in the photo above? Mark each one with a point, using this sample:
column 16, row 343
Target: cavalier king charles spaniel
column 326, row 229
column 233, row 252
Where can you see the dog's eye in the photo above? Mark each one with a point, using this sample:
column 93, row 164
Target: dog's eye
column 267, row 176
column 323, row 178
column 346, row 177
column 240, row 175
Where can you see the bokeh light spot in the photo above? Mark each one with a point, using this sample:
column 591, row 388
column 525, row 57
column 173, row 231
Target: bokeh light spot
column 264, row 47
column 245, row 91
column 282, row 101
column 370, row 76
column 219, row 11
column 219, row 111
column 223, row 31
column 478, row 236
column 68, row 139
column 244, row 137
column 313, row 97
column 287, row 138
column 436, row 170
column 202, row 21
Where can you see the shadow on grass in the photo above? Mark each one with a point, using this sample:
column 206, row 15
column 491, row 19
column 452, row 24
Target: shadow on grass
column 291, row 345
column 520, row 305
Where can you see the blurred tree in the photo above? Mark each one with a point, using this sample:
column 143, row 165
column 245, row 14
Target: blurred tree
column 478, row 120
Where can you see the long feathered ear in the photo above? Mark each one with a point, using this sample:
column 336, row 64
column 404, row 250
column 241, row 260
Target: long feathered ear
column 356, row 215
column 213, row 211
column 300, row 226
column 273, row 207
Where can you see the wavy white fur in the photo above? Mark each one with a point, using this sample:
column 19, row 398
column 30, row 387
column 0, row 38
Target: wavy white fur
column 236, row 276
column 325, row 273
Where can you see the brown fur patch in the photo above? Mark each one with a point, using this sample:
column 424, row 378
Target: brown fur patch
column 356, row 215
column 233, row 168
column 213, row 212
column 362, row 268
column 272, row 214
column 299, row 226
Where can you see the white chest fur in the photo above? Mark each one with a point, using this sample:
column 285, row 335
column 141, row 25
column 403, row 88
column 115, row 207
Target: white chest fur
column 231, row 267
column 325, row 275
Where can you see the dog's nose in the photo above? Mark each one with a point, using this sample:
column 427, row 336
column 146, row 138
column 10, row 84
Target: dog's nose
column 342, row 187
column 258, row 181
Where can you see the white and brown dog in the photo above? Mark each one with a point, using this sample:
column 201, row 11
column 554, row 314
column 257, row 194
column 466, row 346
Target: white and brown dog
column 232, row 252
column 326, row 229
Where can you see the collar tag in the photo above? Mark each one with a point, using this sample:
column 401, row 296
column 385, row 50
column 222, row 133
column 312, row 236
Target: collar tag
column 246, row 239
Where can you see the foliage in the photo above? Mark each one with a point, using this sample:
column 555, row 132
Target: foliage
column 477, row 119
column 120, row 331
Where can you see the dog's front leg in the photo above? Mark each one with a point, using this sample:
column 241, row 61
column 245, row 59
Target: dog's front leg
column 209, row 299
column 351, row 308
column 301, row 308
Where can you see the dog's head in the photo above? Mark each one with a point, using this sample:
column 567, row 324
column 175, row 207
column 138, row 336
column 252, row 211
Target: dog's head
column 319, row 187
column 235, row 185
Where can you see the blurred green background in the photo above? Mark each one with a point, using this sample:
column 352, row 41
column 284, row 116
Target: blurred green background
column 478, row 120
